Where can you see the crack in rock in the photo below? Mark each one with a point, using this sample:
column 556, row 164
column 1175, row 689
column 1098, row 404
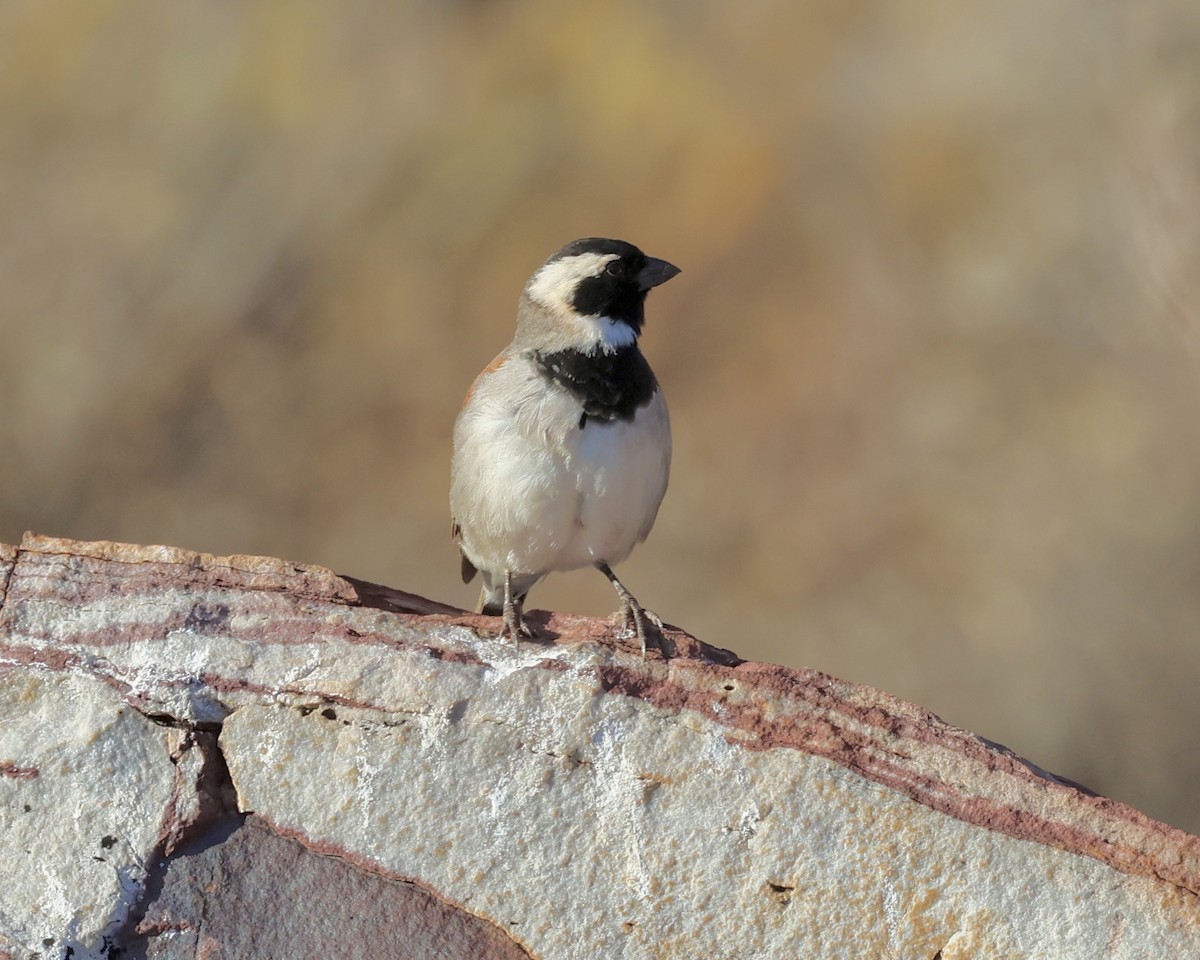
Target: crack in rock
column 225, row 883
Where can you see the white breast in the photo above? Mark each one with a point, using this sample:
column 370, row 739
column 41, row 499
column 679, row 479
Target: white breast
column 532, row 492
column 621, row 475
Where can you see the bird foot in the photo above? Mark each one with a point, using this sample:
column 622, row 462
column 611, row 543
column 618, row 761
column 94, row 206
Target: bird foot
column 514, row 614
column 515, row 626
column 632, row 620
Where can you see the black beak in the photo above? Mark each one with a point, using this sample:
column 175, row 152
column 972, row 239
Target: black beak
column 655, row 272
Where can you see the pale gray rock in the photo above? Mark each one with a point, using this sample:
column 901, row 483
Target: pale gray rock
column 590, row 826
column 90, row 790
column 181, row 734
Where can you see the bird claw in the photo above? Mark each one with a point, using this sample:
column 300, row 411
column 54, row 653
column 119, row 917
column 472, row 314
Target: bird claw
column 631, row 611
column 632, row 619
column 516, row 627
column 514, row 614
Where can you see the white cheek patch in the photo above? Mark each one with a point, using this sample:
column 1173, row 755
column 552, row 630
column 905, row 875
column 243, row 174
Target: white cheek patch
column 553, row 286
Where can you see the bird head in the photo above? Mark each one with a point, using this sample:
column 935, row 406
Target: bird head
column 591, row 294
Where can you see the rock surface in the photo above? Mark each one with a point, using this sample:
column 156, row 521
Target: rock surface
column 232, row 757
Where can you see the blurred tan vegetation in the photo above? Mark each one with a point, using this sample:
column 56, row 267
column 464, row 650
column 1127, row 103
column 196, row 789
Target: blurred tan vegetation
column 932, row 361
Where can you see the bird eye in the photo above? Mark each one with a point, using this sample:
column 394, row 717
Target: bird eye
column 615, row 268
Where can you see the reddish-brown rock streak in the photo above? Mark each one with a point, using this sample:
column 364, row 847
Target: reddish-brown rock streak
column 762, row 707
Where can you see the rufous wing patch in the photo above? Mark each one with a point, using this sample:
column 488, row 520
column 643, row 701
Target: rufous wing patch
column 492, row 367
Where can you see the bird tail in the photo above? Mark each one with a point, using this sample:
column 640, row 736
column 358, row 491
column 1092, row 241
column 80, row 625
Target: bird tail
column 491, row 597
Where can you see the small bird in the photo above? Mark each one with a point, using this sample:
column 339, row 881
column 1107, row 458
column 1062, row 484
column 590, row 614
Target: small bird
column 563, row 446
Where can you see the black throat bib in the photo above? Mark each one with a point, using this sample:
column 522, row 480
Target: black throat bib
column 610, row 386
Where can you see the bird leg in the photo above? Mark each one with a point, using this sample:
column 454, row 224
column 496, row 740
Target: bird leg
column 514, row 609
column 631, row 610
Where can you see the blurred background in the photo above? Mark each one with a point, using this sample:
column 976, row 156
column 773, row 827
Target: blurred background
column 932, row 361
